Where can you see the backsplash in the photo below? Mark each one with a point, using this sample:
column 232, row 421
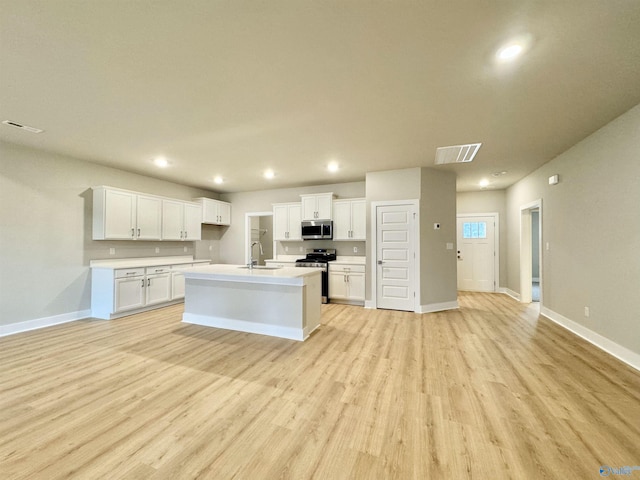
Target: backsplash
column 300, row 248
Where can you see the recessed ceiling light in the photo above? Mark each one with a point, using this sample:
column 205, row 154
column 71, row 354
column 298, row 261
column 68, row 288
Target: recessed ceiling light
column 269, row 174
column 499, row 174
column 161, row 162
column 218, row 179
column 333, row 167
column 514, row 48
column 484, row 183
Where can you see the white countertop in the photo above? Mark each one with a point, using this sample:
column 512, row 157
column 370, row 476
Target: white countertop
column 144, row 262
column 239, row 273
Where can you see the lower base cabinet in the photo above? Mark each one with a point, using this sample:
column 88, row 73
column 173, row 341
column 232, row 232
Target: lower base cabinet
column 116, row 292
column 346, row 283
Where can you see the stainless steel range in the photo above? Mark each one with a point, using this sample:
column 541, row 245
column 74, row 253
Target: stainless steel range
column 319, row 258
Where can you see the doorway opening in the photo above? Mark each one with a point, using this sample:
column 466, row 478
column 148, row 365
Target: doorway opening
column 258, row 237
column 531, row 252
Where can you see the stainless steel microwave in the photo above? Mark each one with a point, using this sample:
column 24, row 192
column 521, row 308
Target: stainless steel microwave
column 317, row 229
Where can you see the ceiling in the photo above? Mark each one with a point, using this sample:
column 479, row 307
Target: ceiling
column 232, row 88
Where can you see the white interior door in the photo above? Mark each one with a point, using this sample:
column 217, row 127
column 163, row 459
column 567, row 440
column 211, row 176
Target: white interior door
column 476, row 253
column 395, row 255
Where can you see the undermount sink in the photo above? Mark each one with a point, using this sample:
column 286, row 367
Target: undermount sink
column 261, row 267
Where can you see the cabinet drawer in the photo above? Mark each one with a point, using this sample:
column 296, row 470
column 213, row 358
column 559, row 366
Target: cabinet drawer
column 347, row 268
column 129, row 272
column 158, row 269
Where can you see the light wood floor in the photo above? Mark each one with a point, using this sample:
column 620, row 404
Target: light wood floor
column 489, row 391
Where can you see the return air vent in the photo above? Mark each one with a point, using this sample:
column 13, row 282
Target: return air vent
column 22, row 127
column 456, row 153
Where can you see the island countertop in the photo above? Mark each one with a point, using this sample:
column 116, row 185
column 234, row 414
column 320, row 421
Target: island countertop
column 242, row 274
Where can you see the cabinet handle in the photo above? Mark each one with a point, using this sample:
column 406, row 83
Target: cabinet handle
column 148, row 282
column 185, row 235
column 133, row 233
column 181, row 235
column 138, row 232
column 143, row 283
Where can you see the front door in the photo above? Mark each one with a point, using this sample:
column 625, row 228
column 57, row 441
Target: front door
column 395, row 257
column 476, row 253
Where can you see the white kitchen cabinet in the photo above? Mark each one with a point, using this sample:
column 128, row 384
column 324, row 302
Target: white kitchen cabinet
column 317, row 207
column 158, row 285
column 287, row 221
column 181, row 220
column 215, row 212
column 126, row 286
column 346, row 283
column 124, row 215
column 349, row 219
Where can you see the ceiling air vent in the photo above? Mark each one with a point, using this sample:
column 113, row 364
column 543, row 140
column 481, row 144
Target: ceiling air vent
column 456, row 153
column 22, row 127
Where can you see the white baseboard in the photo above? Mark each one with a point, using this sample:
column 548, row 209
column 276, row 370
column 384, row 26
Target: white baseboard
column 511, row 293
column 244, row 326
column 437, row 307
column 36, row 323
column 369, row 304
column 621, row 353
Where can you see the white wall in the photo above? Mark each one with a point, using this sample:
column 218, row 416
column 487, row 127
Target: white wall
column 591, row 221
column 45, row 235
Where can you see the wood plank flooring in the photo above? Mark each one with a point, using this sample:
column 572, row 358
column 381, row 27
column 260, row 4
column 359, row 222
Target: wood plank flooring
column 489, row 391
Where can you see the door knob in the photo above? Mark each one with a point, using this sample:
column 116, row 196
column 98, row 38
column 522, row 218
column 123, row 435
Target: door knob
column 379, row 262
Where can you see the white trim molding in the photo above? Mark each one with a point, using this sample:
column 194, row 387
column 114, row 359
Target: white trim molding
column 43, row 322
column 437, row 307
column 621, row 353
column 511, row 293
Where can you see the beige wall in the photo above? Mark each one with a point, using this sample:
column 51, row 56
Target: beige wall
column 45, row 235
column 591, row 221
column 489, row 201
column 436, row 192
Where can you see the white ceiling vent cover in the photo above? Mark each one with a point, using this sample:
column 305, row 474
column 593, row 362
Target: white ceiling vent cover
column 456, row 153
column 22, row 127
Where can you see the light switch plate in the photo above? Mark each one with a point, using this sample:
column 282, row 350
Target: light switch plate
column 449, row 246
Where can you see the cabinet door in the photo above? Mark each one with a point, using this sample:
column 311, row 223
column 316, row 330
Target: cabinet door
column 358, row 220
column 177, row 285
column 355, row 283
column 209, row 211
column 294, row 223
column 148, row 218
column 309, row 208
column 337, row 285
column 280, row 222
column 158, row 288
column 129, row 293
column 342, row 220
column 224, row 213
column 119, row 215
column 172, row 220
column 192, row 222
column 323, row 207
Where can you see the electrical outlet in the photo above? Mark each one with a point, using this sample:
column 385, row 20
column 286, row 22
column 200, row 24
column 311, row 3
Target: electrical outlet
column 112, row 251
column 157, row 249
column 547, row 245
column 286, row 249
column 301, row 249
column 586, row 311
column 449, row 246
column 355, row 249
column 210, row 248
column 185, row 249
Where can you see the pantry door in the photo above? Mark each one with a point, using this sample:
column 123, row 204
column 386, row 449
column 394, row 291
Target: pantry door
column 395, row 257
column 476, row 250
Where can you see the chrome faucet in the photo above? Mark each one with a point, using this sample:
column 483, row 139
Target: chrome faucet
column 251, row 260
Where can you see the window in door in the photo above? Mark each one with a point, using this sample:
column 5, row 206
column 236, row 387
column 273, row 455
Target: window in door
column 474, row 230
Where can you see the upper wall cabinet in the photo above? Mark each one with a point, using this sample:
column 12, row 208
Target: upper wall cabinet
column 317, row 207
column 181, row 220
column 124, row 215
column 215, row 212
column 286, row 221
column 350, row 219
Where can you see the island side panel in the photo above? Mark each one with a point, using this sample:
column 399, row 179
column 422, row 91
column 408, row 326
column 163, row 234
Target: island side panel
column 312, row 304
column 268, row 309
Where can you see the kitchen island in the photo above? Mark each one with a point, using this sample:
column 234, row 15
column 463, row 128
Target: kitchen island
column 281, row 302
